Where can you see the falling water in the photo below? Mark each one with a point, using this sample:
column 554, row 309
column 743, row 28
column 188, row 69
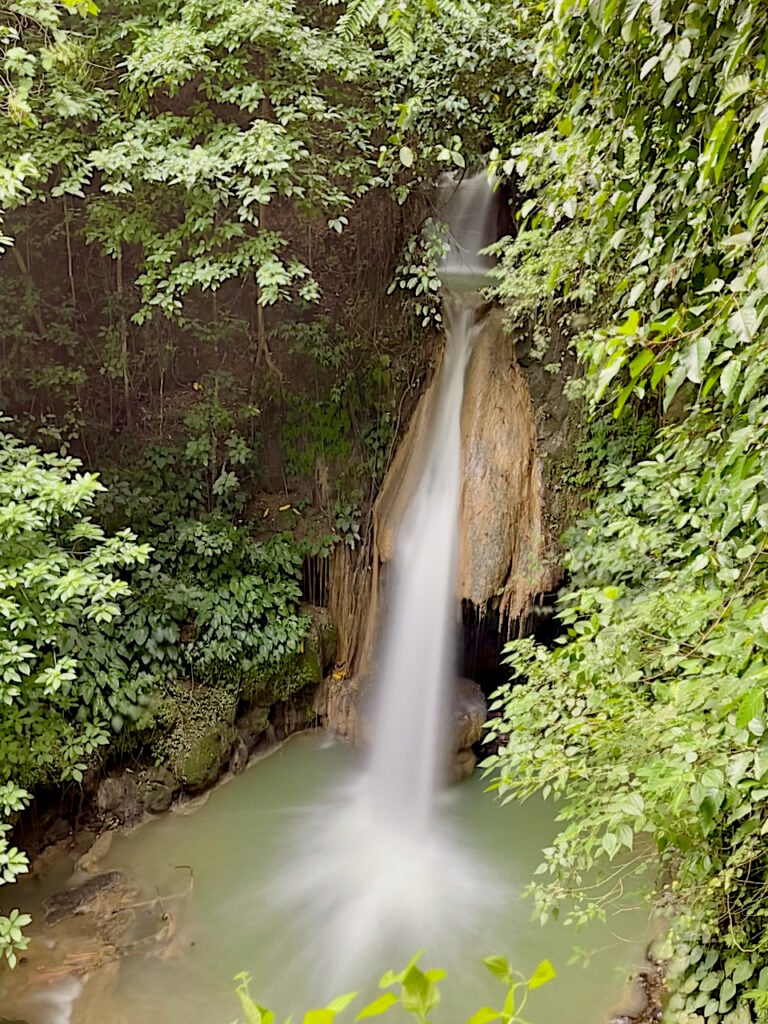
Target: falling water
column 418, row 654
column 382, row 871
column 418, row 659
column 469, row 210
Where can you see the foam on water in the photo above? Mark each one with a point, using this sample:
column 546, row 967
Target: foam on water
column 364, row 896
column 56, row 1002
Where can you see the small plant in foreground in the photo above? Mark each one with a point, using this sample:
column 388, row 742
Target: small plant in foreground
column 419, row 995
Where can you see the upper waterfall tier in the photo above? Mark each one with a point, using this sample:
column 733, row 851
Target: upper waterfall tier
column 469, row 208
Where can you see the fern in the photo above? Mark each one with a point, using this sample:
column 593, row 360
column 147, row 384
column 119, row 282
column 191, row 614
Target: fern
column 359, row 15
column 399, row 19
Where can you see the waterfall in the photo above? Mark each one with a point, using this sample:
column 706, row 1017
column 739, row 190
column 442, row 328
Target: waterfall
column 418, row 660
column 381, row 871
column 469, row 210
column 418, row 655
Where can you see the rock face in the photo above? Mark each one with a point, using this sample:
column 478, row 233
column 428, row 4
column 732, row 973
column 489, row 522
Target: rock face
column 336, row 704
column 469, row 714
column 506, row 551
column 157, row 788
column 118, row 797
column 557, row 420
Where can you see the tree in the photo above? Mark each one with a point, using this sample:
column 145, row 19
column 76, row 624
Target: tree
column 643, row 236
column 57, row 575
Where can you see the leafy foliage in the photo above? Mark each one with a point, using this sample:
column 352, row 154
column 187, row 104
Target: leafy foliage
column 59, row 578
column 647, row 193
column 398, row 21
column 418, row 995
column 642, row 234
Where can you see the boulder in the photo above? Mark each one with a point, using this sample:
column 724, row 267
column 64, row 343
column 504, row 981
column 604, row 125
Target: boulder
column 469, row 714
column 463, row 763
column 238, row 759
column 194, row 733
column 89, row 861
column 199, row 762
column 157, row 787
column 59, row 829
column 70, row 901
column 291, row 718
column 118, row 797
column 252, row 724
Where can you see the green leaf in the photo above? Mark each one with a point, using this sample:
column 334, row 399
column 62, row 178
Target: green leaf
column 743, row 971
column 499, row 967
column 378, row 1006
column 610, row 844
column 729, row 376
column 406, row 156
column 695, row 358
column 629, row 328
column 640, row 362
column 607, row 374
column 733, row 89
column 544, row 973
column 319, row 1017
column 419, row 994
column 340, row 1003
column 510, row 1002
column 751, row 706
column 744, row 323
column 484, row 1016
column 622, row 397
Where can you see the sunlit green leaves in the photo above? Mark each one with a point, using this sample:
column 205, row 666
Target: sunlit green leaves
column 398, row 20
column 54, row 576
column 418, row 995
column 665, row 698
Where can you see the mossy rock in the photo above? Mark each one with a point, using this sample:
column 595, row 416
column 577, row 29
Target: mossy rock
column 252, row 724
column 195, row 732
column 298, row 671
column 200, row 763
column 322, row 634
column 282, row 682
column 191, row 729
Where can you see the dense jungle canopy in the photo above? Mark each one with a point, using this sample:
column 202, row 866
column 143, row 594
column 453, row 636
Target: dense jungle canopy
column 219, row 297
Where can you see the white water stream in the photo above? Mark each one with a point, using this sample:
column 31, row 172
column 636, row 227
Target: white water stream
column 380, row 871
column 418, row 657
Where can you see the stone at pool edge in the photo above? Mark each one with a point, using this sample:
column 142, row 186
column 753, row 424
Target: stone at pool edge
column 468, row 717
column 68, row 901
column 209, row 749
column 157, row 787
column 125, row 796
